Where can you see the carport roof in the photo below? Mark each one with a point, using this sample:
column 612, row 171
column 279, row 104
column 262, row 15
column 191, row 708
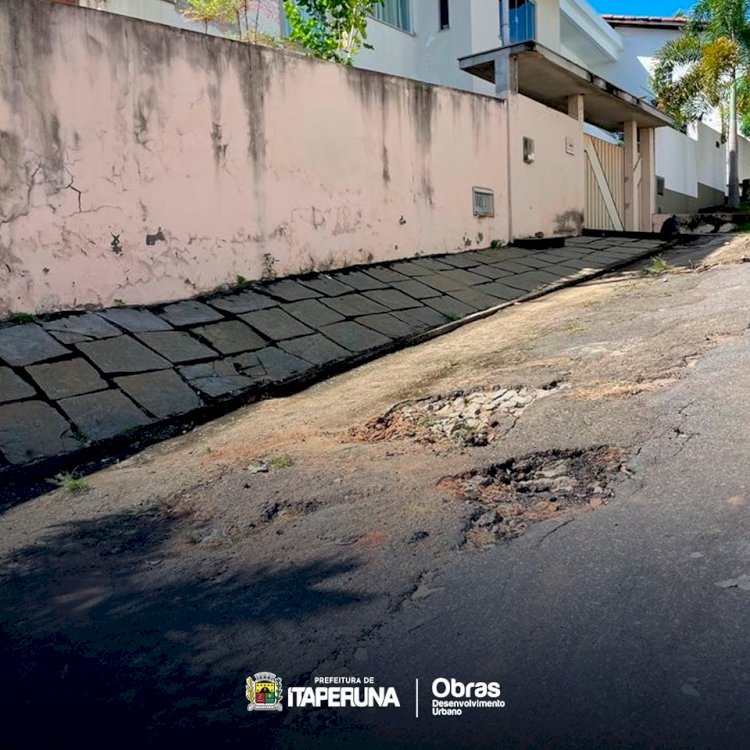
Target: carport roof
column 550, row 78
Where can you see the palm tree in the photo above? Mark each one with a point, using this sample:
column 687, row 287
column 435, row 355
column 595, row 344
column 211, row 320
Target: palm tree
column 701, row 71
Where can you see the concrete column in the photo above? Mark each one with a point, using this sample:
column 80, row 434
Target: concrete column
column 506, row 75
column 648, row 178
column 576, row 107
column 577, row 110
column 632, row 198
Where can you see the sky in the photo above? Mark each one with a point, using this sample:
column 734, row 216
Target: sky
column 641, row 7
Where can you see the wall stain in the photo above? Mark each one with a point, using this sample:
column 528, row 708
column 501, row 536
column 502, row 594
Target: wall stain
column 347, row 221
column 144, row 106
column 569, row 222
column 152, row 239
column 12, row 174
column 384, row 129
column 213, row 62
column 255, row 80
column 219, row 147
column 254, row 74
column 423, row 108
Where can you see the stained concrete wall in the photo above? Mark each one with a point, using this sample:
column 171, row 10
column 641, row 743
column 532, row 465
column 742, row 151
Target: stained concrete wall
column 548, row 194
column 143, row 163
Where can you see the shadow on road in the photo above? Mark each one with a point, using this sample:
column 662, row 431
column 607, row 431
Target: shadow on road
column 105, row 639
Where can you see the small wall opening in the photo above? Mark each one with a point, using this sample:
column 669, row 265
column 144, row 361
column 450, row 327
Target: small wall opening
column 484, row 202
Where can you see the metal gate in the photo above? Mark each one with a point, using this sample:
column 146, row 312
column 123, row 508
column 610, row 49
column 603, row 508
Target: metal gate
column 605, row 185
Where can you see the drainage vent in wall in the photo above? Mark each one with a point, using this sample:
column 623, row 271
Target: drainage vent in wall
column 484, row 202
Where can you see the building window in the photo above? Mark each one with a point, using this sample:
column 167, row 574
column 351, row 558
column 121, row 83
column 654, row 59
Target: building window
column 445, row 14
column 395, row 12
column 522, row 20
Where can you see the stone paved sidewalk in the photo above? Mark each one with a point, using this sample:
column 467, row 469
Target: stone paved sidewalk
column 75, row 381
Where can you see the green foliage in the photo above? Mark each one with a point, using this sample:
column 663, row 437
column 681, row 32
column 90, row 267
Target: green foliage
column 708, row 68
column 71, row 483
column 244, row 14
column 743, row 104
column 694, row 74
column 330, row 29
column 657, row 267
column 23, row 318
column 239, row 281
column 80, row 436
column 282, row 461
column 210, row 11
column 719, row 18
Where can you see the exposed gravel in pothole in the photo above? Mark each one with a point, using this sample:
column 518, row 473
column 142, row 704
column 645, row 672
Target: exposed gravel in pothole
column 474, row 417
column 505, row 499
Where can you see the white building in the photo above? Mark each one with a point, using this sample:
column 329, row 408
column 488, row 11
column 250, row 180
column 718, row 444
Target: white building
column 421, row 39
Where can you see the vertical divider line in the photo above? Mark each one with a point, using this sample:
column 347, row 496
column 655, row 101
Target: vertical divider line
column 416, row 697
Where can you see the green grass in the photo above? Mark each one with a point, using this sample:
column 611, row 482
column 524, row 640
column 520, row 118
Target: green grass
column 657, row 267
column 71, row 483
column 80, row 435
column 23, row 318
column 239, row 281
column 282, row 461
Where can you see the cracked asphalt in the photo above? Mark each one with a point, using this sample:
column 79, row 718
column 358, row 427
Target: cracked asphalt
column 142, row 603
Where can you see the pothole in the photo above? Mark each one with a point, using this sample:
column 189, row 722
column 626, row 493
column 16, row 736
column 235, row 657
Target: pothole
column 505, row 499
column 476, row 417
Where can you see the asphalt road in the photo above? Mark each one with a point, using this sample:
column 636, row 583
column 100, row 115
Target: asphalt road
column 609, row 632
column 132, row 613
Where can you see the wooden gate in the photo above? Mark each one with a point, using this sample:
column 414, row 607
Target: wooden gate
column 605, row 186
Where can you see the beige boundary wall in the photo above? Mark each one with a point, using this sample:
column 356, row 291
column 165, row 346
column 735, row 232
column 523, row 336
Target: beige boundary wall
column 140, row 163
column 548, row 194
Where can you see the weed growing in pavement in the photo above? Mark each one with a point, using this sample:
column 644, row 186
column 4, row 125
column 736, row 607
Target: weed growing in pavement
column 657, row 267
column 71, row 483
column 23, row 318
column 282, row 461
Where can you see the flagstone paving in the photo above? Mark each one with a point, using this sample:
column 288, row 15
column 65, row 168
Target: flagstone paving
column 72, row 381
